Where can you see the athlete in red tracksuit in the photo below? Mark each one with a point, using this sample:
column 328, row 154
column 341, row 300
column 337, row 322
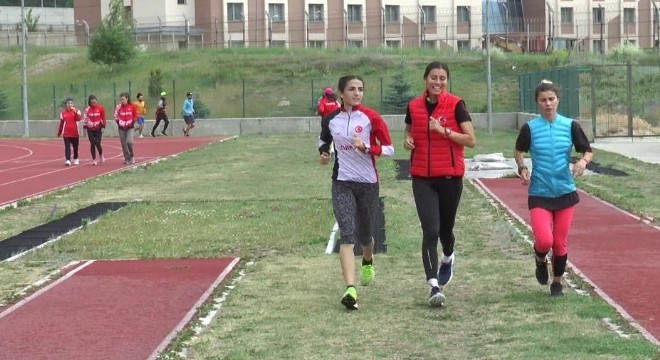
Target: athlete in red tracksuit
column 94, row 124
column 126, row 116
column 68, row 129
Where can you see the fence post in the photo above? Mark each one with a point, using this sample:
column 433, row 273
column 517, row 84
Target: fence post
column 312, row 93
column 630, row 110
column 173, row 105
column 594, row 103
column 129, row 88
column 243, row 97
column 85, row 92
column 54, row 103
column 381, row 95
column 114, row 90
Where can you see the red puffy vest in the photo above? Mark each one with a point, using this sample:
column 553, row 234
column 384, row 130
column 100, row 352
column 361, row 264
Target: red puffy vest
column 435, row 155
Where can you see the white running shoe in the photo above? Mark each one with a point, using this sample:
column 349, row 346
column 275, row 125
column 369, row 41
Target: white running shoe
column 76, row 162
column 94, row 163
column 102, row 159
column 67, row 163
column 141, row 136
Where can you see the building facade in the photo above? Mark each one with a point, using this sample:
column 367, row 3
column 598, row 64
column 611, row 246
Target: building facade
column 515, row 25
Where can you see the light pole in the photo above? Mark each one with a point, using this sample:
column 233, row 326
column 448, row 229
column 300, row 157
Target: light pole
column 506, row 23
column 489, row 92
column 26, row 126
column 86, row 25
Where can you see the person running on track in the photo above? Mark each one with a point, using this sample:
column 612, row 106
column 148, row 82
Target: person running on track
column 94, row 124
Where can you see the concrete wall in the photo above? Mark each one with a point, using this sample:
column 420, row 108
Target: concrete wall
column 259, row 126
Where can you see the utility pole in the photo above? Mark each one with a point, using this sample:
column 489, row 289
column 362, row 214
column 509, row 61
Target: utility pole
column 489, row 83
column 26, row 126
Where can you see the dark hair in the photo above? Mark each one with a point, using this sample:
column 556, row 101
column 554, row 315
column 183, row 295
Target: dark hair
column 345, row 79
column 138, row 95
column 545, row 85
column 90, row 98
column 68, row 99
column 436, row 65
column 126, row 95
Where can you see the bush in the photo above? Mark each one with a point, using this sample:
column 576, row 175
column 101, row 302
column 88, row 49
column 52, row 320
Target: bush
column 155, row 83
column 399, row 93
column 4, row 104
column 202, row 110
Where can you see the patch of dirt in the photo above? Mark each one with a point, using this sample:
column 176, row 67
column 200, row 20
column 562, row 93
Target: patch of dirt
column 608, row 124
column 50, row 62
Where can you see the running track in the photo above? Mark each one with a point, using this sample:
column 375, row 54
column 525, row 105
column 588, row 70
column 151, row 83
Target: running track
column 613, row 250
column 32, row 168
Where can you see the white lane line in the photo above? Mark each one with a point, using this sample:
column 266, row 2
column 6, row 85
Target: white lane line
column 331, row 240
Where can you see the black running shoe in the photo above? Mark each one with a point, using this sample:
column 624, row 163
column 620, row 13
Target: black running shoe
column 542, row 271
column 556, row 289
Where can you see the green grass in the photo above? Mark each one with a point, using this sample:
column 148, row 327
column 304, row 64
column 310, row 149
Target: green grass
column 225, row 78
column 267, row 200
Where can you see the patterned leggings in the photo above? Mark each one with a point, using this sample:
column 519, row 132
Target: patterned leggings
column 355, row 205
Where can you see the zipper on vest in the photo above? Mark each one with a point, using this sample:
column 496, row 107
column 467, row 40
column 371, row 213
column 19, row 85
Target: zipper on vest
column 348, row 124
column 428, row 163
column 451, row 154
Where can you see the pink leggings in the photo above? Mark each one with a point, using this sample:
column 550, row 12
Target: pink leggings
column 550, row 230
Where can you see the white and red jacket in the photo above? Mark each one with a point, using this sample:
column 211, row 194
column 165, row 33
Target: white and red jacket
column 125, row 116
column 350, row 163
column 69, row 123
column 94, row 118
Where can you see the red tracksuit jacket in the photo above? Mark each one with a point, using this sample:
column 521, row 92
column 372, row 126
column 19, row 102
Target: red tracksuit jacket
column 69, row 123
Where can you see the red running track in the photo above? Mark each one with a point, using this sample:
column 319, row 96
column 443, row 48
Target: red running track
column 124, row 309
column 613, row 250
column 31, row 168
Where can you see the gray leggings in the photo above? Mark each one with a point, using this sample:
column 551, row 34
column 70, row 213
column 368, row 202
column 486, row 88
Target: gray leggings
column 355, row 205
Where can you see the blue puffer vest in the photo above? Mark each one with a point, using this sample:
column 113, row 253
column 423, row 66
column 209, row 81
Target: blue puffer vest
column 551, row 147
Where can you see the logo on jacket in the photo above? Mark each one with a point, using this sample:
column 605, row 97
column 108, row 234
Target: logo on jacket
column 442, row 120
column 358, row 129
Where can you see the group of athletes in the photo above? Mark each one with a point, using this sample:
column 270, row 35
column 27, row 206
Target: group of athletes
column 129, row 117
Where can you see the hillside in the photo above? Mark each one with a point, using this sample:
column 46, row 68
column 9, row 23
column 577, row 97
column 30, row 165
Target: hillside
column 252, row 82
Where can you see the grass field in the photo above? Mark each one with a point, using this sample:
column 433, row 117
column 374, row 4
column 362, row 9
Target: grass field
column 267, row 200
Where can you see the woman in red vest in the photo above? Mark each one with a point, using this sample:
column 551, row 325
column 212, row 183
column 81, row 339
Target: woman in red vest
column 438, row 127
column 68, row 130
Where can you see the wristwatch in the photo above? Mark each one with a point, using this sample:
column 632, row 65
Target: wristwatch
column 447, row 131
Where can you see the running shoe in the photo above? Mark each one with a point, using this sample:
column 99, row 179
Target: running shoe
column 446, row 271
column 350, row 298
column 556, row 289
column 94, row 163
column 437, row 299
column 542, row 275
column 67, row 163
column 102, row 159
column 367, row 275
column 76, row 162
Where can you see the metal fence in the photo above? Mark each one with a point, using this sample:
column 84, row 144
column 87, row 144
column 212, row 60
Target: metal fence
column 621, row 100
column 224, row 96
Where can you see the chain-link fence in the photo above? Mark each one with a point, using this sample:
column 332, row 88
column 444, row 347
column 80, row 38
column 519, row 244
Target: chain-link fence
column 621, row 100
column 225, row 97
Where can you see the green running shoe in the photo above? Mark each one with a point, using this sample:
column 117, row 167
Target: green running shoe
column 350, row 298
column 368, row 274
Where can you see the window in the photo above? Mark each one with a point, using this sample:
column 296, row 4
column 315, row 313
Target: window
column 429, row 44
column 630, row 42
column 429, row 14
column 354, row 13
column 234, row 11
column 598, row 46
column 316, row 44
column 629, row 16
column 181, row 2
column 276, row 12
column 391, row 13
column 236, row 44
column 567, row 16
column 278, row 43
column 316, row 12
column 598, row 15
column 392, row 44
column 463, row 14
column 463, row 45
column 354, row 43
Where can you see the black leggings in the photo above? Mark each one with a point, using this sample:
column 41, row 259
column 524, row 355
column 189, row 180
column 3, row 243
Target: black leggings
column 160, row 117
column 95, row 142
column 437, row 202
column 70, row 142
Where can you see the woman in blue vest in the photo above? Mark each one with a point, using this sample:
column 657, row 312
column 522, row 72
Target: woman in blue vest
column 550, row 139
column 438, row 127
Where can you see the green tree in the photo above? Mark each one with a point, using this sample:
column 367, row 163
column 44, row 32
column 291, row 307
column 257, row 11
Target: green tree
column 4, row 104
column 202, row 110
column 31, row 21
column 155, row 83
column 112, row 43
column 399, row 93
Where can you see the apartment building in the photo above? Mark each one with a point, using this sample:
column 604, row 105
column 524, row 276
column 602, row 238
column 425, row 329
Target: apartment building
column 514, row 25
